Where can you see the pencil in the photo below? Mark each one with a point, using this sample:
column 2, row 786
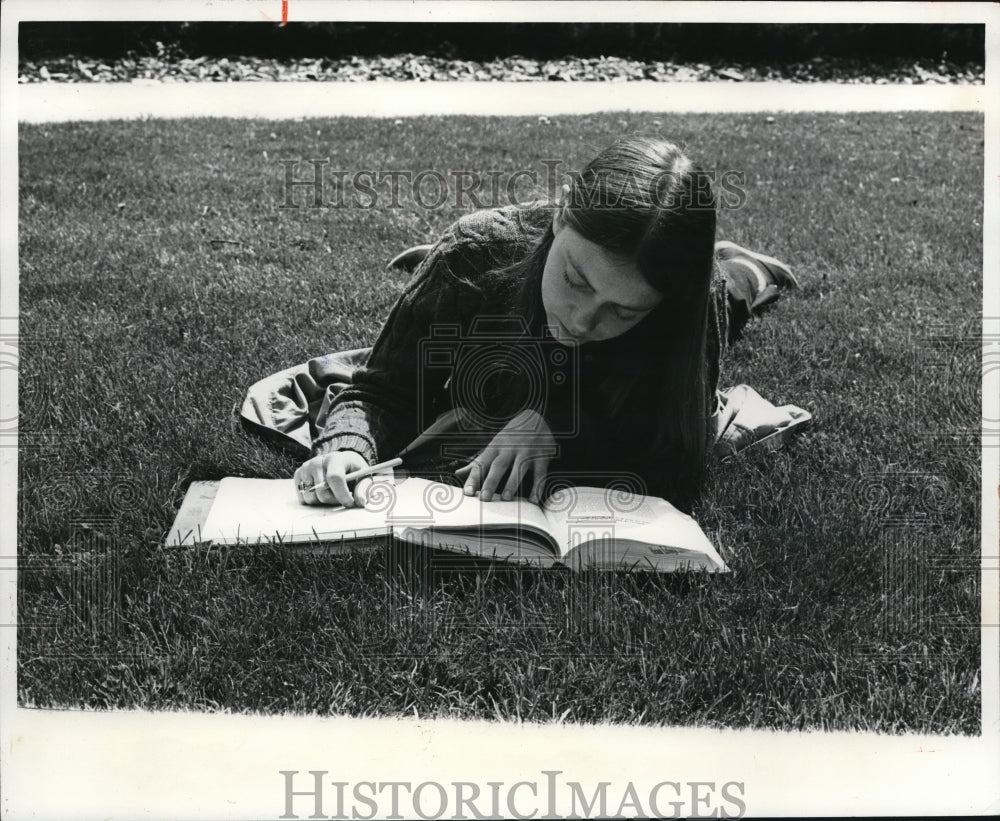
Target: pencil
column 361, row 474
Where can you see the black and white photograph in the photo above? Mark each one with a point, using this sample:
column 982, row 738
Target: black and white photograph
column 499, row 410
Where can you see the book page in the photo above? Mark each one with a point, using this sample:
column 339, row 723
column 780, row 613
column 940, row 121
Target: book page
column 579, row 515
column 253, row 510
column 423, row 503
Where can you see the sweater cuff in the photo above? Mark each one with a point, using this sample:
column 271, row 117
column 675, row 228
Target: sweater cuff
column 347, row 441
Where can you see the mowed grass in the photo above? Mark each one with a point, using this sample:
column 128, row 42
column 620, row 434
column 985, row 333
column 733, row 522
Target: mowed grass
column 159, row 278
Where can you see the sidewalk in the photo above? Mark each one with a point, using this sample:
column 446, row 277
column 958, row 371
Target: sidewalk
column 61, row 102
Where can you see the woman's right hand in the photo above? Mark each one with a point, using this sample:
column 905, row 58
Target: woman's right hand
column 326, row 474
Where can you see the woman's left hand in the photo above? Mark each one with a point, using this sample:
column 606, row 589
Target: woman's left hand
column 524, row 445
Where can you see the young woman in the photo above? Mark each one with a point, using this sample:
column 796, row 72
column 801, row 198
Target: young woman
column 621, row 304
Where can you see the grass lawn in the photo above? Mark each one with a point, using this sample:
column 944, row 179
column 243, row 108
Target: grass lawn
column 159, row 279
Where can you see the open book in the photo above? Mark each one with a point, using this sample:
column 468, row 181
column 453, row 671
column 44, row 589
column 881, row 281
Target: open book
column 576, row 526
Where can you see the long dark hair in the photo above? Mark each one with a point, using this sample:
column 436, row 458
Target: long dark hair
column 642, row 197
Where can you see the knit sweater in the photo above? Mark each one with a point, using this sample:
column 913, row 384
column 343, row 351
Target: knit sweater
column 407, row 380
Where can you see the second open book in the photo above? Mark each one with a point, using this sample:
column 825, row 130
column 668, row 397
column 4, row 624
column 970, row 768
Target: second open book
column 576, row 526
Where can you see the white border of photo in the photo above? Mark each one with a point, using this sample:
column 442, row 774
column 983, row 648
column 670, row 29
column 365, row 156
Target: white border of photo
column 82, row 764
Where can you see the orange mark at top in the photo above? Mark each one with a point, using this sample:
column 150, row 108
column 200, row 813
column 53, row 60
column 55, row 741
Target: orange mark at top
column 284, row 12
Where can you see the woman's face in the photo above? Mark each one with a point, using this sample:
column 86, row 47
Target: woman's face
column 590, row 293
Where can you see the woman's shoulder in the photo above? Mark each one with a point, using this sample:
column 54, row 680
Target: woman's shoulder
column 511, row 224
column 478, row 247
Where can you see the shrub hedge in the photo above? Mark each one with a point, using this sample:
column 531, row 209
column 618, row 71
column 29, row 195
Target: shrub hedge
column 768, row 43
